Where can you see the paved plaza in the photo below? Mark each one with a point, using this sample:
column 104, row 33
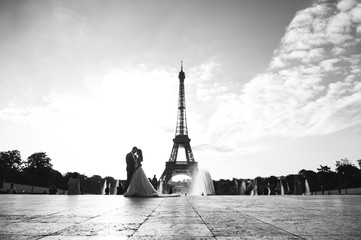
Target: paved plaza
column 51, row 217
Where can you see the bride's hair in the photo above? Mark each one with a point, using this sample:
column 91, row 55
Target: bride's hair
column 140, row 154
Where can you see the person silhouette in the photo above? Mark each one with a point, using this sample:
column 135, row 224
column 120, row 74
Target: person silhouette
column 12, row 189
column 130, row 160
column 74, row 184
column 107, row 190
column 53, row 189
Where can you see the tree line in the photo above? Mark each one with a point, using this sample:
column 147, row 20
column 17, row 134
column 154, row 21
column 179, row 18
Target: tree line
column 346, row 176
column 38, row 170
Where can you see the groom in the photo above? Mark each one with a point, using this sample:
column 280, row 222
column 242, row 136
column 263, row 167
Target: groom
column 130, row 159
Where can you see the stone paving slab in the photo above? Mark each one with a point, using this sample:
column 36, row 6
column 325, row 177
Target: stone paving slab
column 57, row 217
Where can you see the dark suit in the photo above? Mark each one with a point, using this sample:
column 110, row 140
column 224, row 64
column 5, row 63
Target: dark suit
column 130, row 168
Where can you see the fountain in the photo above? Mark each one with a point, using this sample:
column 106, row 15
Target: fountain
column 102, row 191
column 161, row 186
column 202, row 184
column 236, row 186
column 307, row 188
column 255, row 188
column 282, row 189
column 288, row 188
column 115, row 190
column 243, row 188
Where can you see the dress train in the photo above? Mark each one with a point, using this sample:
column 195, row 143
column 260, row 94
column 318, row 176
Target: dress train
column 140, row 186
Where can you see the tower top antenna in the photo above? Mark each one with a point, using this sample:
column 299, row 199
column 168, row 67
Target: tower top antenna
column 181, row 75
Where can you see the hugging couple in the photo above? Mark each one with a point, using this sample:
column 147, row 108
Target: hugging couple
column 138, row 185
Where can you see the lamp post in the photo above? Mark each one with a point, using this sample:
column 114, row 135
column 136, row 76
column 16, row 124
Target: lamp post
column 32, row 186
column 344, row 182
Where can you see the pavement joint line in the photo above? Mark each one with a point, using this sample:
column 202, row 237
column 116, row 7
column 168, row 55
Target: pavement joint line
column 264, row 222
column 75, row 224
column 214, row 236
column 131, row 235
column 40, row 216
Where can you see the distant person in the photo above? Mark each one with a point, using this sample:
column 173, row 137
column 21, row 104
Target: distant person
column 107, row 190
column 11, row 189
column 120, row 189
column 154, row 182
column 53, row 190
column 74, row 184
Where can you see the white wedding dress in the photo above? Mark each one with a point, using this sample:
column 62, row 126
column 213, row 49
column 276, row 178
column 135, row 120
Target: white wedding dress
column 140, row 186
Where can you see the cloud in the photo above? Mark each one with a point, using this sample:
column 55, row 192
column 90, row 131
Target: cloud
column 202, row 79
column 346, row 5
column 312, row 85
column 315, row 30
column 329, row 64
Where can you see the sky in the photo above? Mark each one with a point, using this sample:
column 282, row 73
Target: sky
column 272, row 87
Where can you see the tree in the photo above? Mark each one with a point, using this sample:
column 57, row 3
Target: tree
column 57, row 179
column 224, row 187
column 326, row 178
column 290, row 184
column 39, row 160
column 273, row 183
column 324, row 169
column 39, row 164
column 10, row 165
column 91, row 185
column 260, row 185
column 348, row 174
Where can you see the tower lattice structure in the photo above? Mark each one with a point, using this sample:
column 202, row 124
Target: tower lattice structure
column 181, row 141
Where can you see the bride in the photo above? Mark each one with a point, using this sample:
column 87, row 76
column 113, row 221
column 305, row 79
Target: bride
column 139, row 185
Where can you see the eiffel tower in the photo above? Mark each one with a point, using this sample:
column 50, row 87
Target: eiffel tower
column 181, row 141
